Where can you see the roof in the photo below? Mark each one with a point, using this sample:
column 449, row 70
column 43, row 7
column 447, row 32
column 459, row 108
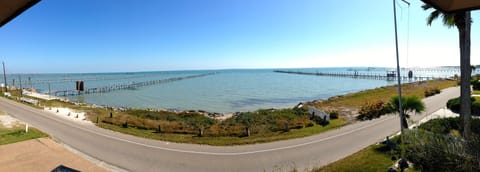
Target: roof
column 454, row 5
column 9, row 9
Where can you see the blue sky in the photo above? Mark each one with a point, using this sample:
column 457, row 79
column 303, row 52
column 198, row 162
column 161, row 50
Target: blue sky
column 149, row 35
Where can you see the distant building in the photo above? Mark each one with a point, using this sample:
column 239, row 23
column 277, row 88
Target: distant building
column 317, row 112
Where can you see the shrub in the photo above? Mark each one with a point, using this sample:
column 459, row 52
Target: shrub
column 475, row 84
column 333, row 114
column 310, row 124
column 476, row 108
column 319, row 120
column 434, row 152
column 441, row 125
column 371, row 110
column 431, row 91
column 454, row 106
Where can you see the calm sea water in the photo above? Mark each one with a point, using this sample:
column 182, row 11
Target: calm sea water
column 226, row 91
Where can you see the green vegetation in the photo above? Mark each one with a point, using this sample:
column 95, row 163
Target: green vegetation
column 191, row 127
column 438, row 146
column 12, row 135
column 227, row 140
column 375, row 110
column 370, row 159
column 435, row 146
column 454, row 105
column 372, row 110
column 18, row 134
column 351, row 103
column 431, row 91
column 409, row 104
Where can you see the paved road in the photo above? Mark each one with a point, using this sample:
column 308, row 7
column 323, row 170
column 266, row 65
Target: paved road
column 137, row 154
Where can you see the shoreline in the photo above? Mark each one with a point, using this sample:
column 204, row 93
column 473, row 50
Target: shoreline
column 349, row 111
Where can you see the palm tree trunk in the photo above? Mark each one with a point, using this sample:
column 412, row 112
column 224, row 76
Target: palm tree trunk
column 465, row 74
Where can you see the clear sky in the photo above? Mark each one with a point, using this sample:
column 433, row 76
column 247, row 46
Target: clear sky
column 149, row 35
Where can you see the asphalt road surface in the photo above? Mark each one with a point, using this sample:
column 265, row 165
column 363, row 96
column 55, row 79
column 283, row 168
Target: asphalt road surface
column 137, row 154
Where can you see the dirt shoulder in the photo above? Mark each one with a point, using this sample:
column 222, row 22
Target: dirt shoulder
column 42, row 154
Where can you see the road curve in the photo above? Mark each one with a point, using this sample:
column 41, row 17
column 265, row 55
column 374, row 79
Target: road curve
column 138, row 154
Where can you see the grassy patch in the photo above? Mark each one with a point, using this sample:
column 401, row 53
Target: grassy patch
column 226, row 140
column 348, row 105
column 372, row 158
column 476, row 92
column 12, row 135
column 384, row 93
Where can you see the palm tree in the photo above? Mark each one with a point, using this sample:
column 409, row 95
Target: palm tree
column 409, row 104
column 461, row 20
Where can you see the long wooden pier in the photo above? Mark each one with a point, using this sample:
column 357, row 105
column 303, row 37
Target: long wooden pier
column 358, row 75
column 125, row 86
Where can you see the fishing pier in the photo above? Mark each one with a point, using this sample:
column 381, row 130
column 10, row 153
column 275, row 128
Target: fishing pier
column 124, row 86
column 390, row 75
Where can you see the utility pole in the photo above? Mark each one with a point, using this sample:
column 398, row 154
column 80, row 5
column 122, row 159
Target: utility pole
column 21, row 89
column 4, row 77
column 30, row 82
column 402, row 116
column 403, row 122
column 49, row 91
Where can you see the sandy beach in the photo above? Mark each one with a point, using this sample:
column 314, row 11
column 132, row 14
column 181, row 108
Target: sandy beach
column 69, row 114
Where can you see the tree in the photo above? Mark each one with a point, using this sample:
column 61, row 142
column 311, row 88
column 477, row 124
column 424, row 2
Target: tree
column 461, row 20
column 409, row 104
column 247, row 119
column 200, row 123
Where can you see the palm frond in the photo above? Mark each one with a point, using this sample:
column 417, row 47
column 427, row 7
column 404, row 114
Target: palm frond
column 434, row 15
column 426, row 6
column 448, row 19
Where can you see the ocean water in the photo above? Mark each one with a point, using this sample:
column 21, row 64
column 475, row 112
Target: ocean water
column 224, row 92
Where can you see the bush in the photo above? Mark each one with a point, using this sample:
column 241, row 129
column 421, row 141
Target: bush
column 441, row 125
column 475, row 84
column 434, row 148
column 333, row 114
column 454, row 106
column 372, row 110
column 310, row 124
column 319, row 120
column 434, row 152
column 431, row 91
column 445, row 125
